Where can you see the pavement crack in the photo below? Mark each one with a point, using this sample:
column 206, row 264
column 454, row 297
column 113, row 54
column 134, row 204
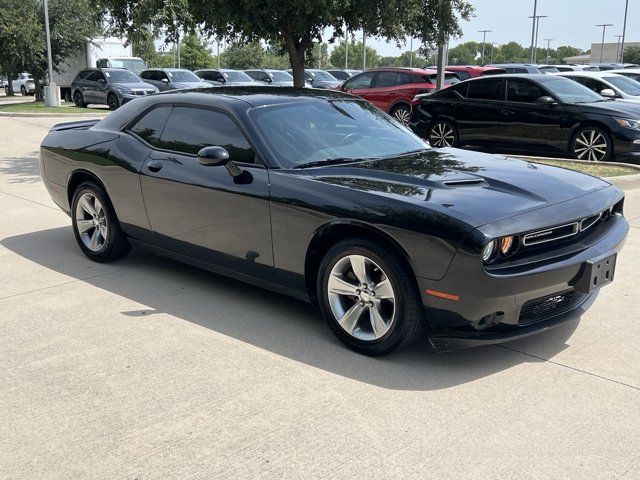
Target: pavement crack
column 569, row 367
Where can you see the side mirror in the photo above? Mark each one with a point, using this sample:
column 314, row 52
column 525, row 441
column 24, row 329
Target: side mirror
column 546, row 101
column 217, row 157
column 608, row 92
column 165, row 80
column 102, row 80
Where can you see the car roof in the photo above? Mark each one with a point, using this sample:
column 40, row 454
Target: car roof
column 622, row 71
column 168, row 69
column 588, row 73
column 419, row 71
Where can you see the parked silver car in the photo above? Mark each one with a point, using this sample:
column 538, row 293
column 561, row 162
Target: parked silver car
column 24, row 85
column 607, row 84
column 224, row 76
column 110, row 86
column 172, row 79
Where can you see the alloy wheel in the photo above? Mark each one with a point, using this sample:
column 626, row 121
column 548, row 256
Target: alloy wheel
column 403, row 115
column 361, row 297
column 112, row 102
column 91, row 222
column 442, row 135
column 591, row 145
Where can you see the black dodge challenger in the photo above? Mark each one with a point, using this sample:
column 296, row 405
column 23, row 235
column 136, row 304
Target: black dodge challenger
column 319, row 195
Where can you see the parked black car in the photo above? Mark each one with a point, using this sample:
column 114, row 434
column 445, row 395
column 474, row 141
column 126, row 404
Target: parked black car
column 319, row 78
column 224, row 76
column 322, row 196
column 172, row 79
column 533, row 113
column 108, row 86
column 342, row 75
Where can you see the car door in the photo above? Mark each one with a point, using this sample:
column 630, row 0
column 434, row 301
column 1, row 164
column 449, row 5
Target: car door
column 527, row 125
column 100, row 87
column 382, row 92
column 478, row 117
column 202, row 211
column 359, row 85
column 89, row 86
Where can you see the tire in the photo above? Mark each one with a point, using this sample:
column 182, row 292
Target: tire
column 78, row 99
column 586, row 141
column 102, row 243
column 6, row 90
column 443, row 133
column 23, row 91
column 112, row 101
column 402, row 113
column 394, row 300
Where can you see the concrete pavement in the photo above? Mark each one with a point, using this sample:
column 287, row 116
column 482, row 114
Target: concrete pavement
column 146, row 368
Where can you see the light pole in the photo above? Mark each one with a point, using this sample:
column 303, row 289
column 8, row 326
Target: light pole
column 218, row 52
column 533, row 27
column 491, row 56
column 624, row 30
column 364, row 50
column 548, row 40
column 52, row 97
column 604, row 29
column 411, row 52
column 618, row 46
column 536, row 22
column 346, row 50
column 484, row 39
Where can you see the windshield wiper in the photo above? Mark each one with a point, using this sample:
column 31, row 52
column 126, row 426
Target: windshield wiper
column 334, row 161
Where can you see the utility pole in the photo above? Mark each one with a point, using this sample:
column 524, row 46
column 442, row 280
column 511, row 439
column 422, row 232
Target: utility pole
column 618, row 47
column 624, row 30
column 364, row 50
column 604, row 29
column 346, row 51
column 491, row 57
column 484, row 39
column 52, row 97
column 411, row 52
column 548, row 40
column 533, row 28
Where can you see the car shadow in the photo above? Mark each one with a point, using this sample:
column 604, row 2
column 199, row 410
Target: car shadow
column 25, row 169
column 267, row 320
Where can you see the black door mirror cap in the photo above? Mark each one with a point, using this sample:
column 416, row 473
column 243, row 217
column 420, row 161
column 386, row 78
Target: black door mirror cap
column 213, row 156
column 546, row 100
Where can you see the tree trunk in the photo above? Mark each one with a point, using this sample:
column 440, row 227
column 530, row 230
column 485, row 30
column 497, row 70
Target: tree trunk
column 39, row 90
column 296, row 51
column 10, row 76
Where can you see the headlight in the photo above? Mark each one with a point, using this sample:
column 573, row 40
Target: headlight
column 628, row 123
column 507, row 245
column 489, row 251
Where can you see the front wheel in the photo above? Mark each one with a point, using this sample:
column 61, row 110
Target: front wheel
column 592, row 144
column 443, row 134
column 23, row 91
column 112, row 102
column 367, row 295
column 402, row 113
column 78, row 99
column 95, row 224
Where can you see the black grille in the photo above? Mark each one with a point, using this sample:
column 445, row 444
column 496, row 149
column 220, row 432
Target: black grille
column 544, row 307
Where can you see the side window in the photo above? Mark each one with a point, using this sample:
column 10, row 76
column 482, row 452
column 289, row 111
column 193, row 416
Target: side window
column 253, row 74
column 385, row 79
column 462, row 75
column 590, row 83
column 150, row 126
column 190, row 129
column 264, row 77
column 520, row 90
column 92, row 77
column 360, row 81
column 99, row 76
column 489, row 89
column 402, row 79
column 159, row 75
column 455, row 93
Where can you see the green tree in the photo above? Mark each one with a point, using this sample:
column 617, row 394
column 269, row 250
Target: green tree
column 514, row 52
column 295, row 24
column 241, row 56
column 632, row 55
column 567, row 51
column 195, row 53
column 354, row 56
column 465, row 54
column 22, row 34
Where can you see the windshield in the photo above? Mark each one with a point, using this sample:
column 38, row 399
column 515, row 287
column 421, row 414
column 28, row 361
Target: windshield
column 325, row 76
column 237, row 77
column 121, row 76
column 183, row 76
column 627, row 85
column 278, row 76
column 548, row 69
column 311, row 131
column 570, row 91
column 134, row 65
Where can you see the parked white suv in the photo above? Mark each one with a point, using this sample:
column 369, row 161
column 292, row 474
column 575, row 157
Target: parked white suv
column 23, row 84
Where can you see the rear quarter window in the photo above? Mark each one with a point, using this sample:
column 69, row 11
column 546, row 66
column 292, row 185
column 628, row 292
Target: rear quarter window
column 150, row 126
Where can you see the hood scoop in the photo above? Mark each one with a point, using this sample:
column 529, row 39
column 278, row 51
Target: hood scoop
column 466, row 182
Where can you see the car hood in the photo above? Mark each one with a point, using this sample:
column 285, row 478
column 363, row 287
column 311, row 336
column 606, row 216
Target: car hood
column 617, row 107
column 475, row 187
column 326, row 84
column 135, row 85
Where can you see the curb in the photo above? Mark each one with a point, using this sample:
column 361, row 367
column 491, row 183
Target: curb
column 626, row 182
column 48, row 115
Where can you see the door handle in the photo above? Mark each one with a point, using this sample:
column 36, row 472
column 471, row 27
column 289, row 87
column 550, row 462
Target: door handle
column 154, row 166
column 507, row 112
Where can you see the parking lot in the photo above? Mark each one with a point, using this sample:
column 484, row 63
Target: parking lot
column 146, row 368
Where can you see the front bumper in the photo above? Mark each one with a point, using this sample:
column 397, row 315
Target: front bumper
column 627, row 149
column 490, row 306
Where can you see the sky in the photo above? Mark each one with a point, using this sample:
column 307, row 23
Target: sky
column 569, row 22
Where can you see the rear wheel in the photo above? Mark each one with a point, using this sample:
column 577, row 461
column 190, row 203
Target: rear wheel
column 95, row 224
column 112, row 101
column 78, row 99
column 402, row 113
column 443, row 134
column 367, row 295
column 23, row 91
column 592, row 144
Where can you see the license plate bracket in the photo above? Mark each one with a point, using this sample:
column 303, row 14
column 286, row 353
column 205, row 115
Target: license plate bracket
column 596, row 273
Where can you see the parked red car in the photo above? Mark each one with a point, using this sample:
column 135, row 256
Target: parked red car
column 393, row 89
column 465, row 72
